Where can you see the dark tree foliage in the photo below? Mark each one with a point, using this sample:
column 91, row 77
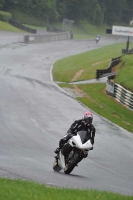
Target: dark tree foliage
column 127, row 14
column 96, row 12
column 2, row 3
column 113, row 10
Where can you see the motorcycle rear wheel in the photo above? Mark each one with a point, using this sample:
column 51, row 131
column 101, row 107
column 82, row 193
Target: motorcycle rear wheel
column 72, row 163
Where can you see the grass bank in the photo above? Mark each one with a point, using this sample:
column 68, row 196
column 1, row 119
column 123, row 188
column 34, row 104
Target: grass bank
column 5, row 26
column 96, row 99
column 125, row 75
column 65, row 69
column 83, row 67
column 86, row 30
column 24, row 190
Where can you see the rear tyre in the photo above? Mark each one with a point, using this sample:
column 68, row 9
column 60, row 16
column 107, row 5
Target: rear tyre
column 56, row 167
column 72, row 163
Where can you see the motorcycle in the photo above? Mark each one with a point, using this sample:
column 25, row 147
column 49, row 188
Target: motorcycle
column 97, row 39
column 72, row 152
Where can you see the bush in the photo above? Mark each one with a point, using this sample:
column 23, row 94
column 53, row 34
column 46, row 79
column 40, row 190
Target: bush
column 5, row 16
column 25, row 18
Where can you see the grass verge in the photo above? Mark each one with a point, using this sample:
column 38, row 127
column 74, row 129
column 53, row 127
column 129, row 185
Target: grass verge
column 125, row 75
column 5, row 26
column 25, row 190
column 86, row 30
column 65, row 69
column 95, row 98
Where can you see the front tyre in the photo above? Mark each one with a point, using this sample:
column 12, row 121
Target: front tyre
column 71, row 164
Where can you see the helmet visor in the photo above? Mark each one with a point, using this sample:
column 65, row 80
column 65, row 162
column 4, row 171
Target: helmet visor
column 88, row 120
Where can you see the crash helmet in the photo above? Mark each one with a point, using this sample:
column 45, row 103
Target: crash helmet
column 88, row 117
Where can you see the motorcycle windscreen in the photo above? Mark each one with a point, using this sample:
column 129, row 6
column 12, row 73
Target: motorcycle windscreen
column 83, row 136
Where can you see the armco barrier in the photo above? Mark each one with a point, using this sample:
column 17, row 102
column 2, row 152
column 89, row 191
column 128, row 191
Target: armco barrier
column 54, row 29
column 125, row 51
column 31, row 39
column 21, row 26
column 101, row 72
column 115, row 61
column 122, row 95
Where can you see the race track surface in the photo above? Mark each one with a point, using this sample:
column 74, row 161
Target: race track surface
column 35, row 114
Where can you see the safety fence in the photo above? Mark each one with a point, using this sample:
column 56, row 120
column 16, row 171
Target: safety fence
column 101, row 72
column 115, row 61
column 122, row 95
column 113, row 89
column 17, row 24
column 124, row 51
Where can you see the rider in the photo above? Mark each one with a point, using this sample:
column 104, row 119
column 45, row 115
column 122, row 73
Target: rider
column 97, row 38
column 79, row 125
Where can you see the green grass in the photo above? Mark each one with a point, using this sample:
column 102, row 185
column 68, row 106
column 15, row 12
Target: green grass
column 125, row 75
column 5, row 13
column 104, row 105
column 86, row 30
column 36, row 27
column 65, row 69
column 25, row 190
column 5, row 26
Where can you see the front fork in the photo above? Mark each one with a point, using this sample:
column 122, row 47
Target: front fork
column 80, row 152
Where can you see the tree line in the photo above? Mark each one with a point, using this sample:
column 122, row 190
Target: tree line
column 97, row 12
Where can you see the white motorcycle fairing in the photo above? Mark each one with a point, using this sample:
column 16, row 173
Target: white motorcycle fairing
column 61, row 161
column 75, row 141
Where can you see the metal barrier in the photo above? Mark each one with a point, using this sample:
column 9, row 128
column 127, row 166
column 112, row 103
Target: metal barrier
column 21, row 26
column 122, row 95
column 101, row 72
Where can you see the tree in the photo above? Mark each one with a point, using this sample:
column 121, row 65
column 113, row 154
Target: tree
column 94, row 12
column 127, row 15
column 75, row 10
column 2, row 3
column 61, row 7
column 113, row 10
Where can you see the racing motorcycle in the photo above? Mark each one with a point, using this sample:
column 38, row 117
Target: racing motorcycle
column 97, row 39
column 72, row 152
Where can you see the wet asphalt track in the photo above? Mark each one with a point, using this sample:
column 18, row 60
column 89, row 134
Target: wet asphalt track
column 35, row 114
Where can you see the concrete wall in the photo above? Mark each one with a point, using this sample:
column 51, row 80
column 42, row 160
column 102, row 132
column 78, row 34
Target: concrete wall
column 31, row 39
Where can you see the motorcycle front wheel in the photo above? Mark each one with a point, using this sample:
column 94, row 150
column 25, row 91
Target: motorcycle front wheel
column 71, row 164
